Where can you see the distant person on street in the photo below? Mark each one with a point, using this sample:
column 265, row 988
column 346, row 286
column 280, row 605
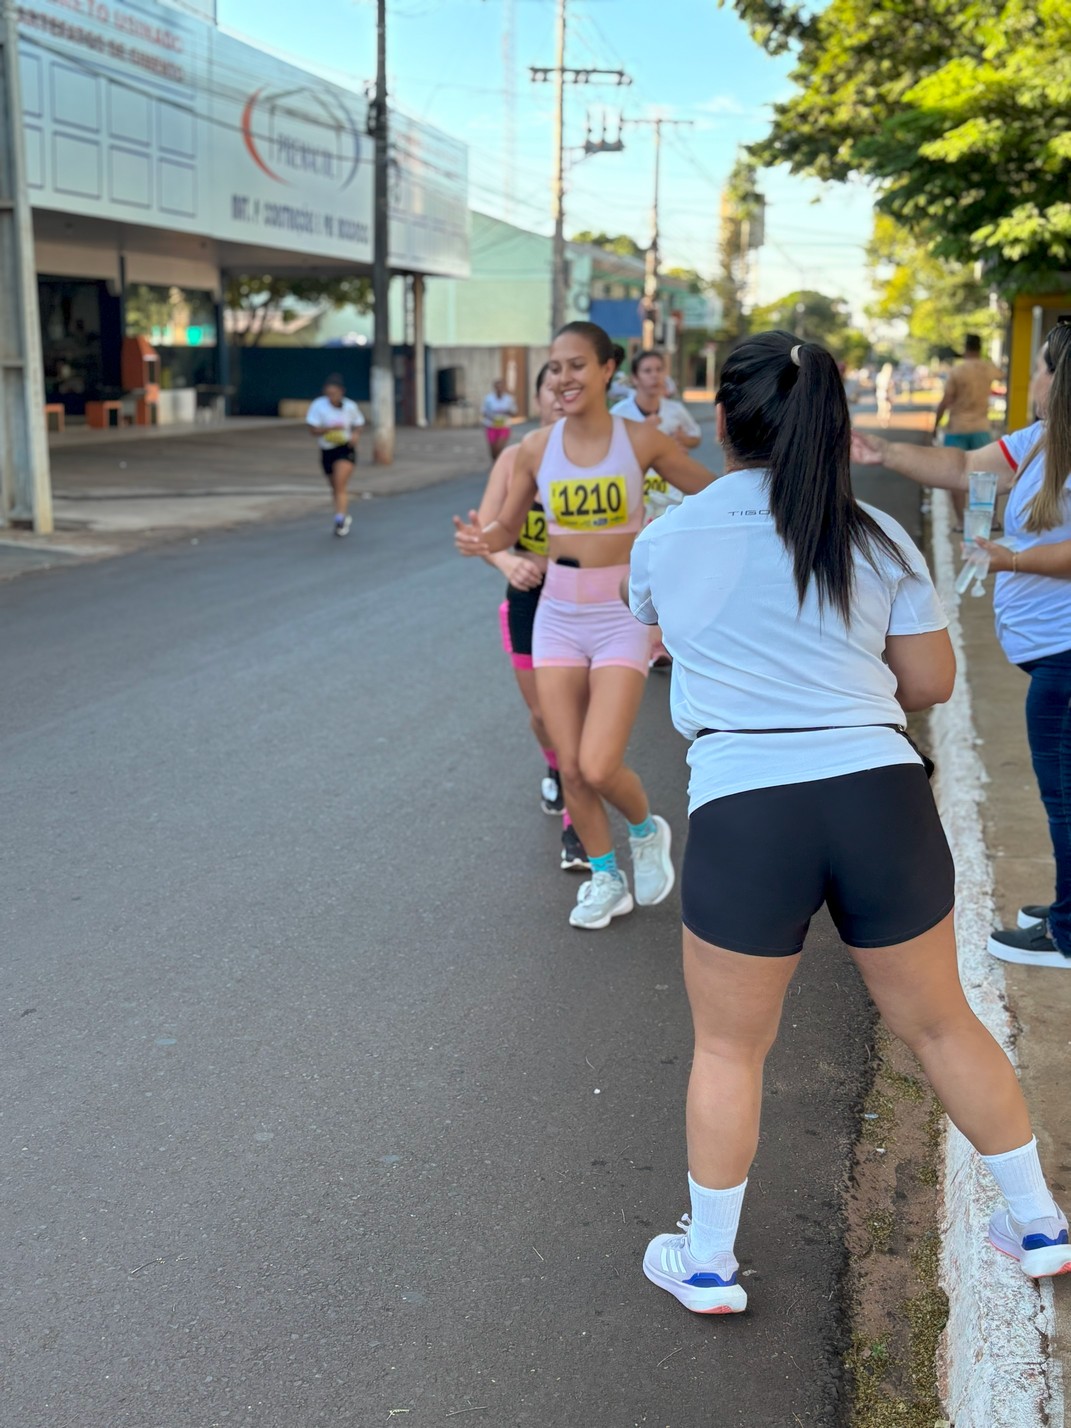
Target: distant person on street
column 1032, row 605
column 497, row 411
column 966, row 400
column 804, row 626
column 335, row 421
column 885, row 391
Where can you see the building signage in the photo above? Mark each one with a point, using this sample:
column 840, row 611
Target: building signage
column 141, row 113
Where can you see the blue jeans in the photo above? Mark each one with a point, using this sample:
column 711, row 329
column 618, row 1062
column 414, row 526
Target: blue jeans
column 1048, row 730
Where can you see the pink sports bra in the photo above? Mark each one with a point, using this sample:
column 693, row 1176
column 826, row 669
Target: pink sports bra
column 581, row 500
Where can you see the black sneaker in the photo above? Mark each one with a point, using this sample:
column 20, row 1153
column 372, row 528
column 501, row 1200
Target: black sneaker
column 1032, row 914
column 574, row 859
column 550, row 790
column 1028, row 946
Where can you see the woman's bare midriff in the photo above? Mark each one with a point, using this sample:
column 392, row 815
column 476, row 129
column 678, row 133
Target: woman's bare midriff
column 593, row 551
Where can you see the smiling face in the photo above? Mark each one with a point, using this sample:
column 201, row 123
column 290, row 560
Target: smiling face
column 577, row 376
column 651, row 378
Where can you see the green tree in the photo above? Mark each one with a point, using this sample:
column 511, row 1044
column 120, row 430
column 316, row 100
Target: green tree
column 690, row 277
column 939, row 301
column 960, row 110
column 817, row 318
column 741, row 203
column 257, row 301
column 619, row 243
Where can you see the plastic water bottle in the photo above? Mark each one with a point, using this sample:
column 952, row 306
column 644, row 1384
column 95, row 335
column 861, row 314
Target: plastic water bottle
column 977, row 525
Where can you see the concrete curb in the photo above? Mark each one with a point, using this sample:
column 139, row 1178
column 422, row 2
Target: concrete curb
column 995, row 1368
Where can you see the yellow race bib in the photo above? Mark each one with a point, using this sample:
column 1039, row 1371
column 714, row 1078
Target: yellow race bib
column 534, row 535
column 653, row 482
column 589, row 503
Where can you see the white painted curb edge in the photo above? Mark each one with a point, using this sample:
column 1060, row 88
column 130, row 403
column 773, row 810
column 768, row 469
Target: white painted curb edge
column 994, row 1365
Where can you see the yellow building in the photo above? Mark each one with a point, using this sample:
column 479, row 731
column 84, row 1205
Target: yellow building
column 1033, row 315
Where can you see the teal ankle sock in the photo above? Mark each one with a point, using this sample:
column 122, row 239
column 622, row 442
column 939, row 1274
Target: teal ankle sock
column 644, row 829
column 606, row 864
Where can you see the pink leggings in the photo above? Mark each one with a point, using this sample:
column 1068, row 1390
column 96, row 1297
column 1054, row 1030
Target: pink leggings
column 583, row 623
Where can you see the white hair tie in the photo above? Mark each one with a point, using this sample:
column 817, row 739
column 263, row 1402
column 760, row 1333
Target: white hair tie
column 795, row 354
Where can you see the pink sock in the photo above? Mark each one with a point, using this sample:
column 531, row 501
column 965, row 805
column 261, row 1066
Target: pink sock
column 567, row 822
column 551, row 758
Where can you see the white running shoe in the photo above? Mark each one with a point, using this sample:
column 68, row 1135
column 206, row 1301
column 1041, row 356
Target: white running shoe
column 602, row 897
column 342, row 527
column 652, row 866
column 703, row 1286
column 1040, row 1247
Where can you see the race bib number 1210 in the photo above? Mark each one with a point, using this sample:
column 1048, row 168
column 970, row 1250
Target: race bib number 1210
column 589, row 503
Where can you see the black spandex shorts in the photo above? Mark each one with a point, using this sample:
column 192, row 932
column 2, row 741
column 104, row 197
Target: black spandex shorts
column 521, row 608
column 760, row 864
column 337, row 453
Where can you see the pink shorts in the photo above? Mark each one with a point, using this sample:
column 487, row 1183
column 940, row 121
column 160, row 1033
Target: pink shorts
column 495, row 434
column 582, row 622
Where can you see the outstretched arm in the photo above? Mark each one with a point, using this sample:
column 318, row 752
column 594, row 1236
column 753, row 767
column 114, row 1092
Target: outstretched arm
column 946, row 467
column 658, row 452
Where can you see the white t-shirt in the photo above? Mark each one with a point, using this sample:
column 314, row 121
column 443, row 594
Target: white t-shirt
column 347, row 418
column 1033, row 612
column 496, row 409
column 717, row 577
column 672, row 417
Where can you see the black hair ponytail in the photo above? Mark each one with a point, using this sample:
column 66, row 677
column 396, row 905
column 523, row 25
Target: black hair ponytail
column 786, row 410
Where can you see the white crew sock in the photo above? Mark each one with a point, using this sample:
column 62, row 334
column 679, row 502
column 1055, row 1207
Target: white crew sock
column 1022, row 1182
column 715, row 1219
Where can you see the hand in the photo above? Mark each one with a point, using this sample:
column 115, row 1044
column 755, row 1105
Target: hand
column 868, row 450
column 524, row 574
column 652, row 418
column 1000, row 557
column 469, row 537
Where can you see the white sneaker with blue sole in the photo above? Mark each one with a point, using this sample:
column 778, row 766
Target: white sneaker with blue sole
column 703, row 1286
column 1041, row 1247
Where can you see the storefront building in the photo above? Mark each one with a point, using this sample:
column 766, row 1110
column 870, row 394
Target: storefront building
column 162, row 155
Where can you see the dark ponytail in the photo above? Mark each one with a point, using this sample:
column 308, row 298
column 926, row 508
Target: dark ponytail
column 541, row 377
column 599, row 340
column 786, row 410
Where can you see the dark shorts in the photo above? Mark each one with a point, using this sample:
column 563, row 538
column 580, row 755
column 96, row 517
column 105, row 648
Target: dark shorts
column 870, row 846
column 968, row 440
column 328, row 459
column 521, row 606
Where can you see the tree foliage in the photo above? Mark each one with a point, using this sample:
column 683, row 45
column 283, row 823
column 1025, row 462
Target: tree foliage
column 740, row 204
column 260, row 302
column 939, row 301
column 816, row 318
column 620, row 243
column 960, row 110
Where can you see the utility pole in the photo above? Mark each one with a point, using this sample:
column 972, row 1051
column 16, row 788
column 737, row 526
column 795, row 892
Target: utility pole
column 25, row 481
column 382, row 362
column 651, row 266
column 562, row 75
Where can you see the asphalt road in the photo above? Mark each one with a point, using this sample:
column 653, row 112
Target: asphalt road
column 315, row 1110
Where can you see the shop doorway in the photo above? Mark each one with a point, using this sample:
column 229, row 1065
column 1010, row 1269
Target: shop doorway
column 81, row 341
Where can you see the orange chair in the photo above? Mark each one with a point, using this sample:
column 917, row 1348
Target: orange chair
column 100, row 415
column 59, row 411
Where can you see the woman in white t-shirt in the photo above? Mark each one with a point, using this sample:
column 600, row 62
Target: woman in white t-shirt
column 648, row 402
column 335, row 422
column 498, row 411
column 1032, row 604
column 802, row 626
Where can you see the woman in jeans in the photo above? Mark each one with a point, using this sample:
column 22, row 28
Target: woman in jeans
column 802, row 626
column 1032, row 603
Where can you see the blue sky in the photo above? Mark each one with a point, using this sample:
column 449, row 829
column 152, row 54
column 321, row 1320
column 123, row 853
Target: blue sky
column 445, row 65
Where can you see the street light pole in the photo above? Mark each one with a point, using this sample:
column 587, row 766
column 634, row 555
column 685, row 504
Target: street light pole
column 382, row 363
column 557, row 291
column 653, row 257
column 562, row 75
column 25, row 480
